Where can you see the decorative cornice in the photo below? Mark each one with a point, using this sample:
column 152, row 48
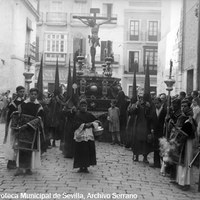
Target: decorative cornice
column 31, row 8
column 142, row 10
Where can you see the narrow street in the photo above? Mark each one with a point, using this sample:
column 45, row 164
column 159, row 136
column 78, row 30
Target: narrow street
column 116, row 176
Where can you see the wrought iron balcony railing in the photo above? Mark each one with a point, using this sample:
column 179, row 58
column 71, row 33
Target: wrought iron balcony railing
column 151, row 72
column 143, row 37
column 52, row 57
column 98, row 59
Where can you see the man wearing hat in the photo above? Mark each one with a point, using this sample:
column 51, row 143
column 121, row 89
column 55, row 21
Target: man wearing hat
column 9, row 137
column 84, row 147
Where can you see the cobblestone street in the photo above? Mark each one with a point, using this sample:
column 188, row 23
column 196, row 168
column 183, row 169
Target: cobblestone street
column 115, row 174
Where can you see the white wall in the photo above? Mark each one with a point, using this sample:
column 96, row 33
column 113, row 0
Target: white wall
column 167, row 49
column 13, row 14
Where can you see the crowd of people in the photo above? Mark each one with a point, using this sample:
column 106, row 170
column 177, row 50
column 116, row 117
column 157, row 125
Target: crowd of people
column 32, row 126
column 5, row 99
column 167, row 126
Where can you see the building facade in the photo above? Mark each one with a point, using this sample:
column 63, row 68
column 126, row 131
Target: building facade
column 190, row 47
column 142, row 32
column 179, row 43
column 170, row 45
column 131, row 35
column 17, row 43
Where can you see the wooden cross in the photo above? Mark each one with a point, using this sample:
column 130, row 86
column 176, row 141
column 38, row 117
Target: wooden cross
column 91, row 21
column 94, row 11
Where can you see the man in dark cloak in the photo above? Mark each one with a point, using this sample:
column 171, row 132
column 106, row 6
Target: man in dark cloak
column 84, row 150
column 142, row 128
column 158, row 120
column 122, row 105
column 68, row 147
column 56, row 122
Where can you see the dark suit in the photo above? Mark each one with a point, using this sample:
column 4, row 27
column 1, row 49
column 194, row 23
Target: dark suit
column 158, row 125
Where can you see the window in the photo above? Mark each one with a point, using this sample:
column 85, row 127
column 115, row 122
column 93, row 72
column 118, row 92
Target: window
column 153, row 31
column 55, row 43
column 134, row 30
column 56, row 6
column 152, row 54
column 133, row 61
column 130, row 90
column 153, row 89
column 106, row 49
column 29, row 24
column 51, row 87
column 79, row 46
column 107, row 9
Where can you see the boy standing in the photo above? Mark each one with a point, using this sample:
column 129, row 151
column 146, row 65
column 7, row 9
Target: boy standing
column 113, row 118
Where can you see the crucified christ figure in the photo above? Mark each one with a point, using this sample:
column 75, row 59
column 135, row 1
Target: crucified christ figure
column 93, row 39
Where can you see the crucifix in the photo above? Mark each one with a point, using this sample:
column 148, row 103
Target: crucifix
column 91, row 21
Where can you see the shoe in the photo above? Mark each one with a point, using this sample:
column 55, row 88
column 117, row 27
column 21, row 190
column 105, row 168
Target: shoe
column 173, row 182
column 85, row 170
column 117, row 142
column 136, row 159
column 11, row 164
column 154, row 166
column 80, row 170
column 18, row 172
column 162, row 174
column 29, row 172
column 185, row 187
column 53, row 144
column 145, row 161
column 113, row 143
column 68, row 156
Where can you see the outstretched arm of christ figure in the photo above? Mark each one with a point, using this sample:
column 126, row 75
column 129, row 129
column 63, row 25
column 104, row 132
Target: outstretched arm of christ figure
column 85, row 22
column 109, row 19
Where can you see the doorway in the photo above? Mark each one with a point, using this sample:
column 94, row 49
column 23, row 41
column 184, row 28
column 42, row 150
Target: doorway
column 190, row 75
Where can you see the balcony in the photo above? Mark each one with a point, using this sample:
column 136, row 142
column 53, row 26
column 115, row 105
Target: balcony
column 30, row 52
column 149, row 38
column 151, row 72
column 99, row 61
column 50, row 57
column 56, row 18
column 143, row 37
